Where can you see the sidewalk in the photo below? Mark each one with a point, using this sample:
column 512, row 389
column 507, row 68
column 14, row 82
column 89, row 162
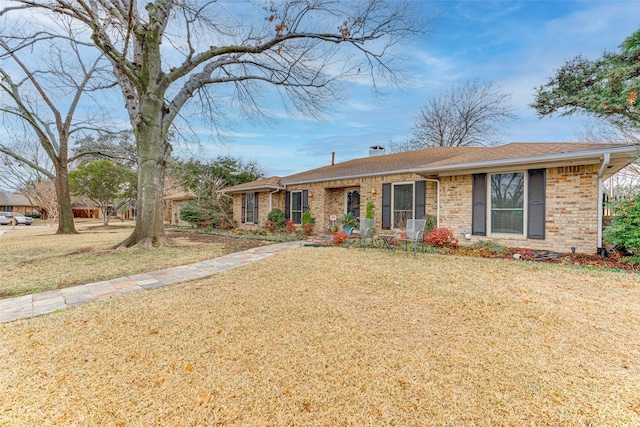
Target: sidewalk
column 59, row 299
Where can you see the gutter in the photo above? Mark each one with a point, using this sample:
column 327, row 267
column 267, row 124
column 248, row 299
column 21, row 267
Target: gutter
column 271, row 198
column 601, row 171
column 575, row 155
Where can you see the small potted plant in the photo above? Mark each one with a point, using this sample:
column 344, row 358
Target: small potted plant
column 348, row 221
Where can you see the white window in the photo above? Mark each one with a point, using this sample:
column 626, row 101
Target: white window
column 296, row 207
column 507, row 208
column 249, row 208
column 402, row 204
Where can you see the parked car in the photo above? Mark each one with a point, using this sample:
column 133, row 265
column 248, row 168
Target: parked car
column 20, row 219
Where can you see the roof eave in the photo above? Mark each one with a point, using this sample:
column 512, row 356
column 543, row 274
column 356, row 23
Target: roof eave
column 543, row 158
column 362, row 175
column 254, row 188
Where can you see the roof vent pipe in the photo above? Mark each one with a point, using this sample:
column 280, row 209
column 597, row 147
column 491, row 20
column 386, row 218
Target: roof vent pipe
column 376, row 150
column 333, row 158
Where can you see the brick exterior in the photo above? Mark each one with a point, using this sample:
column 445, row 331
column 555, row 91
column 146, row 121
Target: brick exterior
column 571, row 210
column 571, row 206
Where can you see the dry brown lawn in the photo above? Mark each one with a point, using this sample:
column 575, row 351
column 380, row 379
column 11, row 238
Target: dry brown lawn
column 337, row 337
column 35, row 259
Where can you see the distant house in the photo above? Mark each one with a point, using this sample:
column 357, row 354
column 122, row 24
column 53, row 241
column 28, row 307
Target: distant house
column 173, row 204
column 18, row 203
column 532, row 195
column 83, row 207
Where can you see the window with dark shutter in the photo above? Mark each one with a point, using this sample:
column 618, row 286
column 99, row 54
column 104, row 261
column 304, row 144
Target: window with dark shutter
column 536, row 214
column 287, row 205
column 244, row 204
column 305, row 200
column 479, row 205
column 420, row 196
column 255, row 207
column 386, row 206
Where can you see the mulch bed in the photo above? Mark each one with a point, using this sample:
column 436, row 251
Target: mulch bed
column 611, row 262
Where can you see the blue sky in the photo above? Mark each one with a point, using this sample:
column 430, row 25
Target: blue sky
column 517, row 45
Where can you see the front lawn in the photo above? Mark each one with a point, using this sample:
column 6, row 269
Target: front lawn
column 332, row 336
column 35, row 259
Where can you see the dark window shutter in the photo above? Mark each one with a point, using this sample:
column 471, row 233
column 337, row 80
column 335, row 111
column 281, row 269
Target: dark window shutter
column 244, row 207
column 287, row 205
column 421, row 190
column 386, row 206
column 305, row 200
column 536, row 214
column 255, row 207
column 479, row 205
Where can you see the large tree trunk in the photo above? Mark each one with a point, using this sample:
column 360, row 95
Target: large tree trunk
column 153, row 151
column 65, row 218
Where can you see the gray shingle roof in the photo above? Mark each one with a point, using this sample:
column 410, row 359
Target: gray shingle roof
column 13, row 199
column 437, row 159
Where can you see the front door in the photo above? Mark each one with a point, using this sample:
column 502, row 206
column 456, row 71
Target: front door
column 352, row 201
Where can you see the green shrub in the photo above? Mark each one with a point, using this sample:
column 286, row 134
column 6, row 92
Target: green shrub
column 369, row 212
column 190, row 214
column 276, row 216
column 306, row 217
column 432, row 222
column 625, row 224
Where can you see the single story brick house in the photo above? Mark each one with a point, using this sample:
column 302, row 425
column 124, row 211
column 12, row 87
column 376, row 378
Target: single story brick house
column 18, row 203
column 529, row 195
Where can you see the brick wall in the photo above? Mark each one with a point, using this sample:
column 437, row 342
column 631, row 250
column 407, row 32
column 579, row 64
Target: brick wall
column 571, row 210
column 571, row 206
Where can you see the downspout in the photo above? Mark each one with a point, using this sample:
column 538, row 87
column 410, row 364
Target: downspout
column 601, row 171
column 437, row 181
column 270, row 198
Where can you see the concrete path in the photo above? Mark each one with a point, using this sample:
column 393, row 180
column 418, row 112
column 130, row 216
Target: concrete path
column 58, row 299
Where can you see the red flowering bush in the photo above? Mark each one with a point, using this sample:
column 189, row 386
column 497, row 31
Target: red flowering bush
column 291, row 226
column 442, row 237
column 270, row 226
column 340, row 237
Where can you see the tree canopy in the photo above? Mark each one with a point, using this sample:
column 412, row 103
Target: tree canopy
column 165, row 53
column 108, row 185
column 607, row 87
column 205, row 179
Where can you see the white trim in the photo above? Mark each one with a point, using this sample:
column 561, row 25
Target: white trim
column 345, row 197
column 525, row 206
column 413, row 200
column 253, row 210
column 291, row 193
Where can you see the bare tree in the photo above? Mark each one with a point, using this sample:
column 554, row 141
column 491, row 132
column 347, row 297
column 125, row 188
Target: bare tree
column 462, row 116
column 15, row 174
column 167, row 52
column 36, row 94
column 43, row 194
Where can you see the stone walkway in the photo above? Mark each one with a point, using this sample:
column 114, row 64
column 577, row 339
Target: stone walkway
column 59, row 299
